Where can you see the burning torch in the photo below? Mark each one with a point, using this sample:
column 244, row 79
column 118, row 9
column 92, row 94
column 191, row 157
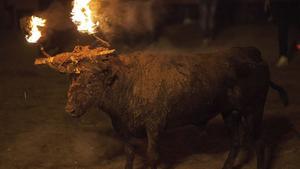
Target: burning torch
column 83, row 18
column 35, row 33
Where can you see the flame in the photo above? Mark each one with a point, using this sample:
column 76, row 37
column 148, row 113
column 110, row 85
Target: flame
column 35, row 33
column 82, row 16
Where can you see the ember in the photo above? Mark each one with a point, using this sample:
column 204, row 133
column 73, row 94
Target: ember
column 35, row 33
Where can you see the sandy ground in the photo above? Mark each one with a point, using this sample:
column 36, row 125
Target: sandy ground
column 36, row 133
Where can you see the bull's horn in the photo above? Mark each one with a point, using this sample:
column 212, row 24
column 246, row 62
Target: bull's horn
column 60, row 62
column 73, row 62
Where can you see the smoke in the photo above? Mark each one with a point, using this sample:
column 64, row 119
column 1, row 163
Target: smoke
column 117, row 17
column 58, row 16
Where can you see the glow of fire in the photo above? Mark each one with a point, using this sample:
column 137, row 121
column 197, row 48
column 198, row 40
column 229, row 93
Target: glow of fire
column 82, row 16
column 35, row 33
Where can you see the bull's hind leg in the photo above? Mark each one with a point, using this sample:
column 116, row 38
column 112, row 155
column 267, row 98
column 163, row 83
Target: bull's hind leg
column 232, row 121
column 129, row 150
column 255, row 119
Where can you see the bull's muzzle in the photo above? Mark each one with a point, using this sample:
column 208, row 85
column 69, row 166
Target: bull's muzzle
column 73, row 112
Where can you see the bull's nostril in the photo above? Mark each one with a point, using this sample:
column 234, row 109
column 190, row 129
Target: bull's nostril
column 74, row 112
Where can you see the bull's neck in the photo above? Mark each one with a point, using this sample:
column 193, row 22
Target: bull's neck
column 114, row 96
column 117, row 68
column 115, row 80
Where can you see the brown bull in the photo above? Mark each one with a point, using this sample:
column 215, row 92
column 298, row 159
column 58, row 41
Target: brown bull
column 146, row 94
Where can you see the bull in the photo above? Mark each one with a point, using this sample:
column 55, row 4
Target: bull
column 147, row 94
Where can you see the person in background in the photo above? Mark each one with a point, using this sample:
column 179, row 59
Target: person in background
column 208, row 9
column 285, row 13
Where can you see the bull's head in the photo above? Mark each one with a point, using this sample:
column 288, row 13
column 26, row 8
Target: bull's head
column 85, row 90
column 90, row 71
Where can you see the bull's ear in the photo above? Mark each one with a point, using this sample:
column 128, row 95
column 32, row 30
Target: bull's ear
column 88, row 66
column 66, row 67
column 99, row 64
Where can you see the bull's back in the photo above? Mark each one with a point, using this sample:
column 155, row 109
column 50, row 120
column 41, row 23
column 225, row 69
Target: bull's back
column 192, row 89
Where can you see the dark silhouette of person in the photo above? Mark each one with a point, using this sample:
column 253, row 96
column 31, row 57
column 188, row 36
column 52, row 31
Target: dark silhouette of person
column 207, row 17
column 285, row 13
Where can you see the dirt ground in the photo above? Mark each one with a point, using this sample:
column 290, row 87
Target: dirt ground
column 36, row 133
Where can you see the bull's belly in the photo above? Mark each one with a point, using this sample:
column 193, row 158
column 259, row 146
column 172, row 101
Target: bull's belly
column 181, row 119
column 197, row 115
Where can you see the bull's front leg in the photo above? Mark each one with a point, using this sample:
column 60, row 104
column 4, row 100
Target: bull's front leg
column 129, row 150
column 152, row 146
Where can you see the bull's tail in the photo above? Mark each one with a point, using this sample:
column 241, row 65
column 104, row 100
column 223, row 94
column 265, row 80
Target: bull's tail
column 282, row 93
